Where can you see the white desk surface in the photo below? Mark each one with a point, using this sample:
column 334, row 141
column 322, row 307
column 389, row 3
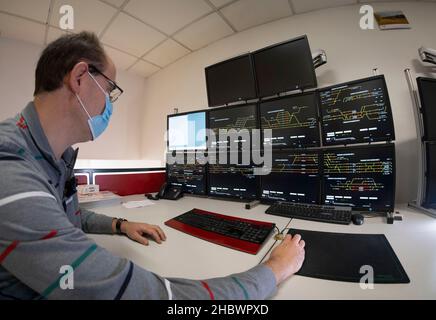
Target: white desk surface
column 184, row 256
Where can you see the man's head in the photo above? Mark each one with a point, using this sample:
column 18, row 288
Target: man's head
column 76, row 71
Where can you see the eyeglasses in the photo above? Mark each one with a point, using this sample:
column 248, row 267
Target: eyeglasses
column 115, row 91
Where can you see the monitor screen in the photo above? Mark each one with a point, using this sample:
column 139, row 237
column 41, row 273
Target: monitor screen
column 230, row 81
column 284, row 67
column 430, row 195
column 187, row 131
column 237, row 118
column 295, row 177
column 427, row 93
column 360, row 177
column 232, row 180
column 188, row 173
column 356, row 112
column 293, row 121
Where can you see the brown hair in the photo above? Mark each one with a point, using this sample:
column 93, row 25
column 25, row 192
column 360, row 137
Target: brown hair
column 60, row 57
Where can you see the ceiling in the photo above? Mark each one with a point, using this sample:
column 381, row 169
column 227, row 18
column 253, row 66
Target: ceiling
column 144, row 36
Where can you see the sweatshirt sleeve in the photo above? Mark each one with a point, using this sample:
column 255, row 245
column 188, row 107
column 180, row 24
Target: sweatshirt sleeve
column 42, row 249
column 96, row 223
column 257, row 283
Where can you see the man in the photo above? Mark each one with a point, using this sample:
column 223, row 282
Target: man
column 42, row 227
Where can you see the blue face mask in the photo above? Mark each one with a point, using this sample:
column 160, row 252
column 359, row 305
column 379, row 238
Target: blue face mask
column 99, row 123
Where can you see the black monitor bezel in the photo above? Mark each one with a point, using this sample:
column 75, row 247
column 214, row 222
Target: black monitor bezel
column 254, row 104
column 316, row 98
column 318, row 151
column 313, row 73
column 428, row 171
column 206, row 174
column 359, row 147
column 388, row 106
column 182, row 114
column 213, row 196
column 419, row 81
column 253, row 75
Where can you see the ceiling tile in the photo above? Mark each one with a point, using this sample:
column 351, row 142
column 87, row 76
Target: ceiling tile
column 168, row 15
column 122, row 60
column 54, row 33
column 260, row 12
column 144, row 69
column 132, row 36
column 203, row 32
column 167, row 52
column 116, row 3
column 301, row 6
column 220, row 3
column 21, row 29
column 89, row 15
column 36, row 9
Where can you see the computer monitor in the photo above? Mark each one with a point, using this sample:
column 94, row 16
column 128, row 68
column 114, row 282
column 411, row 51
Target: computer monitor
column 295, row 177
column 187, row 131
column 188, row 173
column 284, row 67
column 230, row 81
column 356, row 112
column 237, row 118
column 360, row 177
column 293, row 121
column 232, row 180
column 430, row 194
column 427, row 94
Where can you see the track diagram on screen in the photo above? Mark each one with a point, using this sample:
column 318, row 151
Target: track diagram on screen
column 284, row 119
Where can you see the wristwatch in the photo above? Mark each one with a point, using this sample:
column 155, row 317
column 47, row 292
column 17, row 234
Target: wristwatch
column 118, row 225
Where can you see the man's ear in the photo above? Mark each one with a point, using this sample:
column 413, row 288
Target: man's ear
column 76, row 75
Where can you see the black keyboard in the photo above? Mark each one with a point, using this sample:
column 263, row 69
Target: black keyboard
column 312, row 212
column 252, row 231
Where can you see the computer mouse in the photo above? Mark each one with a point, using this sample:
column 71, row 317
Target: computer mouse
column 357, row 219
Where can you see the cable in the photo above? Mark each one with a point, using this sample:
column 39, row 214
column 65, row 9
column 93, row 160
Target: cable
column 278, row 230
column 286, row 229
column 279, row 233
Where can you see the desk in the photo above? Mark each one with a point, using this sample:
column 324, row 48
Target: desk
column 184, row 256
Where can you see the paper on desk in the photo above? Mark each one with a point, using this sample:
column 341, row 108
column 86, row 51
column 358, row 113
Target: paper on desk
column 97, row 197
column 137, row 204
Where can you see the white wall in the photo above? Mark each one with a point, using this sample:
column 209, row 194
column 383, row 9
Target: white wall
column 352, row 54
column 17, row 67
column 123, row 138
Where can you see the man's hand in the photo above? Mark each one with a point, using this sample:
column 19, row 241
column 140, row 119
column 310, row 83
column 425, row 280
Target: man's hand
column 141, row 231
column 287, row 258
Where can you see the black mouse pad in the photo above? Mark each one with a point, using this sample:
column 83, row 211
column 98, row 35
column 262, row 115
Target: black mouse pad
column 340, row 256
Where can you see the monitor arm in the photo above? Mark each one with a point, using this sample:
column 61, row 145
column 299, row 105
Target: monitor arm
column 427, row 55
column 319, row 58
